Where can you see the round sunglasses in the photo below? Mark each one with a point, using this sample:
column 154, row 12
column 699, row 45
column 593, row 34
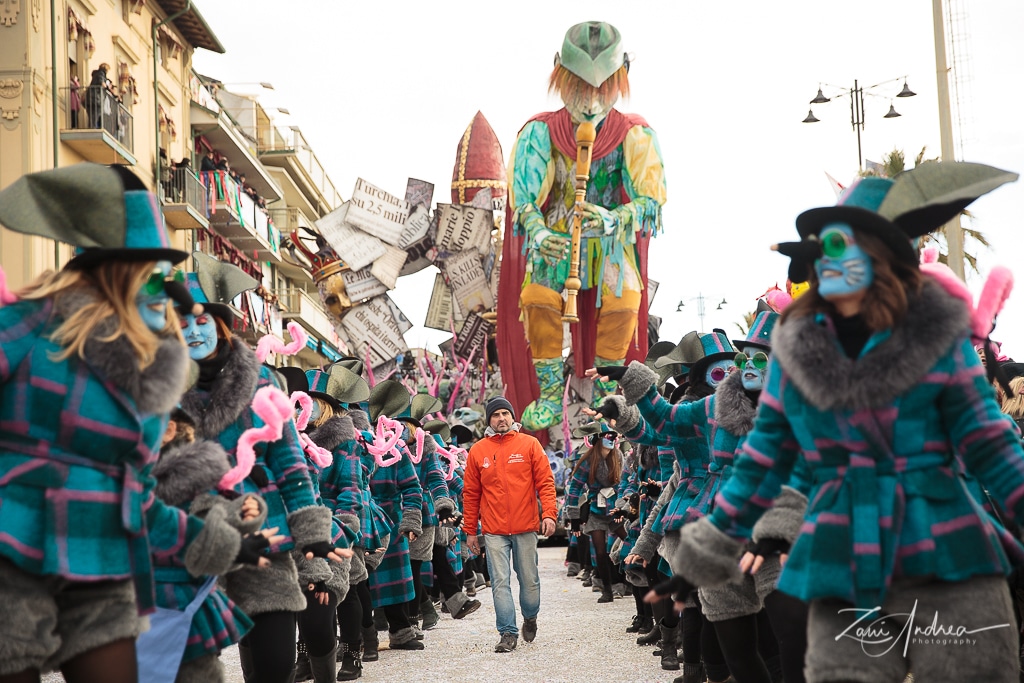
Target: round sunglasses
column 759, row 360
column 835, row 242
column 155, row 284
column 718, row 374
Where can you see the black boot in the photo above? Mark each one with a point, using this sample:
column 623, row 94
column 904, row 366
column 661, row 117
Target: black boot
column 351, row 662
column 370, row 644
column 669, row 647
column 640, row 625
column 587, row 576
column 651, row 637
column 324, row 666
column 692, row 673
column 604, row 569
column 302, row 670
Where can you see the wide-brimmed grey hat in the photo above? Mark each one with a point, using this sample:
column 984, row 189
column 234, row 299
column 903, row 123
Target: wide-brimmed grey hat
column 593, row 51
column 389, row 398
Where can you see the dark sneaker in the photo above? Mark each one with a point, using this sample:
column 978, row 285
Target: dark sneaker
column 468, row 608
column 507, row 643
column 529, row 630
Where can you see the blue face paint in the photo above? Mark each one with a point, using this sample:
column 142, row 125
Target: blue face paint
column 844, row 268
column 608, row 443
column 152, row 304
column 200, row 335
column 316, row 413
column 753, row 377
column 717, row 372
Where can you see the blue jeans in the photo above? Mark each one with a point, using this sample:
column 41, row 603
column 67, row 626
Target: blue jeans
column 523, row 550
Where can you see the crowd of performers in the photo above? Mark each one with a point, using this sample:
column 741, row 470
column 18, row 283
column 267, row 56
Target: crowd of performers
column 153, row 467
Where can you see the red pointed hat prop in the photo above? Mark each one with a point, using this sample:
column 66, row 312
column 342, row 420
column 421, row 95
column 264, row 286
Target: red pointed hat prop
column 479, row 163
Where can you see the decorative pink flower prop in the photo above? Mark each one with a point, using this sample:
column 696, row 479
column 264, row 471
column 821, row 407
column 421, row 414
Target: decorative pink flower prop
column 385, row 442
column 270, row 344
column 274, row 409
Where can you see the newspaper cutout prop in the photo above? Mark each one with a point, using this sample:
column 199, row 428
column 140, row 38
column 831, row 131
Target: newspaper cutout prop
column 472, row 337
column 419, row 192
column 461, row 227
column 652, row 290
column 377, row 212
column 465, row 275
column 388, row 266
column 361, row 285
column 404, row 324
column 418, row 241
column 355, row 247
column 372, row 325
column 439, row 310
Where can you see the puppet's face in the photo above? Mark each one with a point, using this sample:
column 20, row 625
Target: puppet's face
column 588, row 106
column 753, row 363
column 844, row 268
column 717, row 372
column 151, row 299
column 200, row 334
column 333, row 294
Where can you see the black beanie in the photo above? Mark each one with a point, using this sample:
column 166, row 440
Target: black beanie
column 497, row 403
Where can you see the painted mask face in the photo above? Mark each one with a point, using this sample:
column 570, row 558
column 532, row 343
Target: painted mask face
column 334, row 295
column 844, row 267
column 587, row 106
column 316, row 412
column 753, row 367
column 717, row 372
column 608, row 442
column 200, row 334
column 151, row 299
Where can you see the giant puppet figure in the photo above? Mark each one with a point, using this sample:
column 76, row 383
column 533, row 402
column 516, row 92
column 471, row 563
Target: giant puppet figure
column 621, row 212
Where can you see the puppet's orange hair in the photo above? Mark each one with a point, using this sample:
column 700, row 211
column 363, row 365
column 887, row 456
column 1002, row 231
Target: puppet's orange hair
column 572, row 88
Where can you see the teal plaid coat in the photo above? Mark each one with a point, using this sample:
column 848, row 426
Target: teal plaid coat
column 396, row 489
column 76, row 493
column 886, row 498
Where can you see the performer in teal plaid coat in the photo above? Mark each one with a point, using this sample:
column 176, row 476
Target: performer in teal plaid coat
column 875, row 384
column 84, row 397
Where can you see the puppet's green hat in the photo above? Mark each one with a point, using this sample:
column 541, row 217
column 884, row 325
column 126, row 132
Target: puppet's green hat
column 592, row 50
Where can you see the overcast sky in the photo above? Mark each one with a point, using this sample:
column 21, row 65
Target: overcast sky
column 384, row 91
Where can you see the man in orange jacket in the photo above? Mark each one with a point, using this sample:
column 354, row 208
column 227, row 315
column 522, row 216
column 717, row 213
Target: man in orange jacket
column 506, row 472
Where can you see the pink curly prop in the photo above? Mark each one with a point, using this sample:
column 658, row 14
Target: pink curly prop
column 994, row 294
column 465, row 366
column 270, row 344
column 418, row 457
column 321, row 457
column 372, row 381
column 305, row 402
column 389, row 433
column 452, row 456
column 274, row 409
column 6, row 295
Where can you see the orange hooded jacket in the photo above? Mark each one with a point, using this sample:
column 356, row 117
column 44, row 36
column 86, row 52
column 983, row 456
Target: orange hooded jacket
column 505, row 474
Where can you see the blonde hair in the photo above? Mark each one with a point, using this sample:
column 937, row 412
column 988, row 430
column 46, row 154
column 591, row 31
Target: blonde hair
column 116, row 283
column 326, row 411
column 574, row 89
column 1014, row 405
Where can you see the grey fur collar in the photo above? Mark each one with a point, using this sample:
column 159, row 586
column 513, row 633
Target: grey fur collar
column 647, row 456
column 232, row 393
column 811, row 356
column 333, row 433
column 153, row 390
column 734, row 410
column 360, row 420
column 186, row 470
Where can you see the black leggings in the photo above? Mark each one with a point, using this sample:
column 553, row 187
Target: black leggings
column 711, row 652
column 583, row 550
column 642, row 608
column 398, row 617
column 444, row 575
column 693, row 627
column 789, row 621
column 739, row 641
column 413, row 606
column 350, row 616
column 316, row 625
column 662, row 610
column 272, row 645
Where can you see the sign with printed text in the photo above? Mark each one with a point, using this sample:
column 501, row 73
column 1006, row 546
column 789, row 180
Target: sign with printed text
column 354, row 246
column 419, row 193
column 361, row 285
column 372, row 324
column 404, row 324
column 472, row 337
column 377, row 212
column 461, row 227
column 388, row 266
column 439, row 310
column 418, row 241
column 465, row 275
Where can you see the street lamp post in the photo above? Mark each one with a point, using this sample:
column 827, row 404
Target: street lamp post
column 856, row 95
column 701, row 306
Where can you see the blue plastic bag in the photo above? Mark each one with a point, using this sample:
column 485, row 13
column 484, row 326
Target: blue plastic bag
column 158, row 651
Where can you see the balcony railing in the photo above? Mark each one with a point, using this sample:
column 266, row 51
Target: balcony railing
column 290, row 219
column 299, row 304
column 274, row 140
column 94, row 109
column 185, row 199
column 258, row 230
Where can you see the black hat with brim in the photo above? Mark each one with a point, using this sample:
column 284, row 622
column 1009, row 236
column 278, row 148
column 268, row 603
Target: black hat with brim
column 389, row 398
column 297, row 381
column 462, row 434
column 812, row 221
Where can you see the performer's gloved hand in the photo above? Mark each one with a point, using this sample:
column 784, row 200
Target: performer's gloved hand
column 318, row 587
column 574, row 526
column 609, row 410
column 456, row 521
column 652, row 489
column 259, row 476
column 612, row 372
column 767, row 547
column 319, row 549
column 252, row 549
column 677, row 588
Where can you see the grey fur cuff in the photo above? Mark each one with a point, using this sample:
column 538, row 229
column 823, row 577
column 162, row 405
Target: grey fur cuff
column 360, row 420
column 444, row 507
column 311, row 571
column 214, row 549
column 412, row 520
column 246, row 526
column 444, row 535
column 351, row 523
column 310, row 524
column 203, row 503
column 615, row 552
column 629, row 418
column 647, row 545
column 637, row 381
column 339, row 583
column 784, row 519
column 706, row 556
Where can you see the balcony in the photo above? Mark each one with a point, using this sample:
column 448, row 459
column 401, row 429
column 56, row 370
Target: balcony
column 97, row 126
column 234, row 214
column 288, row 150
column 303, row 307
column 185, row 199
